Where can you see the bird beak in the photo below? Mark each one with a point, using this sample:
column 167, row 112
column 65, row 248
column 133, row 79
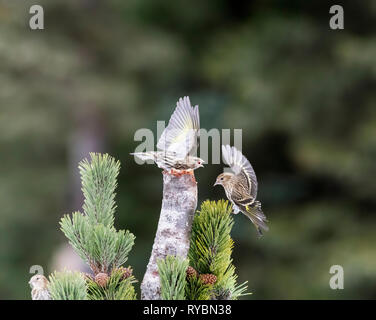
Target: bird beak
column 215, row 183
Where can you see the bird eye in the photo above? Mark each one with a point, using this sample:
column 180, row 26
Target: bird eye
column 222, row 179
column 199, row 162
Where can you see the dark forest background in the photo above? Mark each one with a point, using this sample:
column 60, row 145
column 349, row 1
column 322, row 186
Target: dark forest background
column 303, row 94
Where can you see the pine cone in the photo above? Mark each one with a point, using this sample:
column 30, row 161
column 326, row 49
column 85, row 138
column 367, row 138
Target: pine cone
column 208, row 278
column 191, row 272
column 101, row 279
column 126, row 272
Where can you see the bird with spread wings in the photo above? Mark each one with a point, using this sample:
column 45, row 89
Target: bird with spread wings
column 178, row 141
column 241, row 187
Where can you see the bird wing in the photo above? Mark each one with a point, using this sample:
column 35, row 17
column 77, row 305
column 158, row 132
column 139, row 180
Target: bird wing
column 242, row 168
column 180, row 136
column 240, row 191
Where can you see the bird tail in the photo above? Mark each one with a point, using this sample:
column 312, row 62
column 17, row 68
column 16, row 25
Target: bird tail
column 258, row 218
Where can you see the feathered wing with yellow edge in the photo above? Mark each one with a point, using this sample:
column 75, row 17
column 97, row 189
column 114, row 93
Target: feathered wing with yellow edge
column 178, row 142
column 180, row 136
column 244, row 187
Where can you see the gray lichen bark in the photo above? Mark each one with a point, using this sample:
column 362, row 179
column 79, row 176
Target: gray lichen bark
column 174, row 228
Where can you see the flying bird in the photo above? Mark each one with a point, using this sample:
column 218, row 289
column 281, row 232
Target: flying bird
column 39, row 288
column 241, row 187
column 178, row 141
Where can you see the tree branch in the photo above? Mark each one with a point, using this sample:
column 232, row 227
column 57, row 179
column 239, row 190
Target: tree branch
column 174, row 228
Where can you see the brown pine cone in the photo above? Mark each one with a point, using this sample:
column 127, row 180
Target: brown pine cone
column 191, row 272
column 126, row 272
column 208, row 278
column 101, row 279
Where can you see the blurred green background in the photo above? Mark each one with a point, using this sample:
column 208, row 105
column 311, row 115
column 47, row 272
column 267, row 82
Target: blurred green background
column 303, row 94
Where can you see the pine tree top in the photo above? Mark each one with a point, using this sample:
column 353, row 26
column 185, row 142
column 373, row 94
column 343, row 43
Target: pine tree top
column 210, row 253
column 92, row 233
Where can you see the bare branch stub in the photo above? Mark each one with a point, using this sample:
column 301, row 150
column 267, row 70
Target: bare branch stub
column 174, row 228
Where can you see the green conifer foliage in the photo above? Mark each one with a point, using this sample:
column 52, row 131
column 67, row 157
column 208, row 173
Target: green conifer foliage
column 172, row 272
column 210, row 253
column 67, row 285
column 196, row 290
column 117, row 288
column 98, row 185
column 92, row 233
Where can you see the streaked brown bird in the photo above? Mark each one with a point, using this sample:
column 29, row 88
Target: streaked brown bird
column 39, row 288
column 241, row 187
